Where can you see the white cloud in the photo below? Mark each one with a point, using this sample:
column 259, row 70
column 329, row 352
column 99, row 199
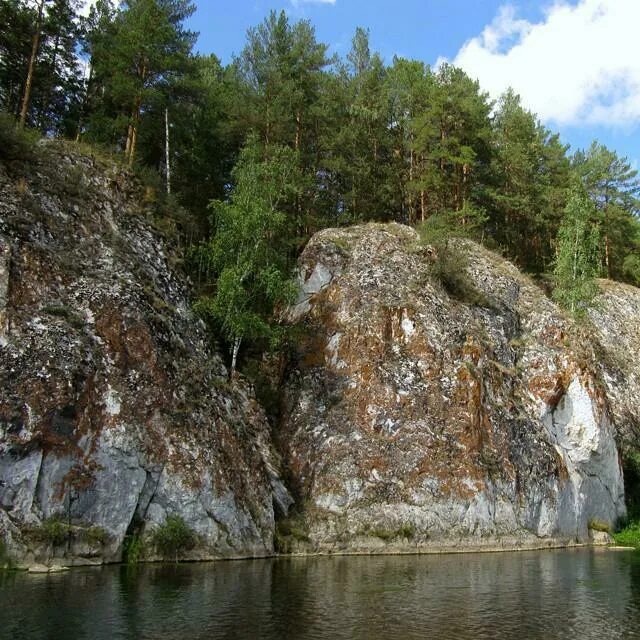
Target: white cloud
column 579, row 66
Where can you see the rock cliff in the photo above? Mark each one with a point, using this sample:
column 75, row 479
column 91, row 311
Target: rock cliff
column 435, row 398
column 437, row 401
column 114, row 413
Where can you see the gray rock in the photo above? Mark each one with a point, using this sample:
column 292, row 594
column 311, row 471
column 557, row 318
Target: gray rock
column 115, row 413
column 414, row 413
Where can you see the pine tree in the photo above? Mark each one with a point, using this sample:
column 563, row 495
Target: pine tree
column 147, row 48
column 282, row 66
column 361, row 144
column 451, row 143
column 614, row 188
column 409, row 89
column 529, row 177
column 15, row 50
column 40, row 76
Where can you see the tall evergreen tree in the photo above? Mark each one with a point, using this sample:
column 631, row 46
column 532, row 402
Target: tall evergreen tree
column 614, row 188
column 452, row 143
column 15, row 49
column 148, row 48
column 410, row 85
column 283, row 68
column 529, row 178
column 40, row 77
column 361, row 144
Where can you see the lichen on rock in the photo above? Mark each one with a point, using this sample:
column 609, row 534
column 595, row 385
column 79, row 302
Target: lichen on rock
column 416, row 419
column 114, row 412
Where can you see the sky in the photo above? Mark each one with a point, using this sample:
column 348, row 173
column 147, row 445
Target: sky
column 576, row 63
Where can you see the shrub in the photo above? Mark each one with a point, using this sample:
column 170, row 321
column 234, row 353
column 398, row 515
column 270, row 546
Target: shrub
column 629, row 536
column 52, row 531
column 406, row 531
column 5, row 559
column 288, row 531
column 450, row 268
column 174, row 537
column 96, row 536
column 133, row 549
column 15, row 144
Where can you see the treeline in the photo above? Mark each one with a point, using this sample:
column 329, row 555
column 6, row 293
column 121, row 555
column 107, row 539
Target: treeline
column 337, row 141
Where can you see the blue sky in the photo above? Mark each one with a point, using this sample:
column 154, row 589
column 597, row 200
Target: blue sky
column 576, row 63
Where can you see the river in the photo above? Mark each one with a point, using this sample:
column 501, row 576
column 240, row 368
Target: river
column 579, row 593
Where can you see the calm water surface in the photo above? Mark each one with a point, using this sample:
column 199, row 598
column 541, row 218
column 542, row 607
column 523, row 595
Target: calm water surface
column 551, row 594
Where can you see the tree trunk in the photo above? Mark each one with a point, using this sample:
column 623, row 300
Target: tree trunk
column 234, row 356
column 167, row 150
column 411, row 161
column 132, row 133
column 32, row 63
column 607, row 245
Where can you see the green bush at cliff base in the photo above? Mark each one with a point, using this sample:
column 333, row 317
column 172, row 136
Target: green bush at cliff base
column 174, row 537
column 290, row 531
column 629, row 536
column 5, row 559
column 54, row 531
column 133, row 549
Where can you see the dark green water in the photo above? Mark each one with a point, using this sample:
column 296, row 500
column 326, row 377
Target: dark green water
column 580, row 594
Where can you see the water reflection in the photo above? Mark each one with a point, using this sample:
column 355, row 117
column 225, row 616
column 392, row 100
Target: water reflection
column 553, row 594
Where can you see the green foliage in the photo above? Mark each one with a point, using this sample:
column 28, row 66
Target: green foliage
column 614, row 188
column 631, row 268
column 450, row 266
column 250, row 249
column 138, row 52
column 5, row 559
column 65, row 312
column 173, row 538
column 439, row 228
column 290, row 531
column 54, row 531
column 526, row 186
column 96, row 536
column 405, row 531
column 56, row 80
column 631, row 468
column 357, row 139
column 629, row 536
column 577, row 258
column 134, row 549
column 15, row 144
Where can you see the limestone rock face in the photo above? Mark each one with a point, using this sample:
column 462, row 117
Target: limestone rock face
column 615, row 318
column 114, row 413
column 419, row 418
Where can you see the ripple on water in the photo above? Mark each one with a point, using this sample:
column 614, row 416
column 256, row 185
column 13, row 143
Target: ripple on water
column 551, row 594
